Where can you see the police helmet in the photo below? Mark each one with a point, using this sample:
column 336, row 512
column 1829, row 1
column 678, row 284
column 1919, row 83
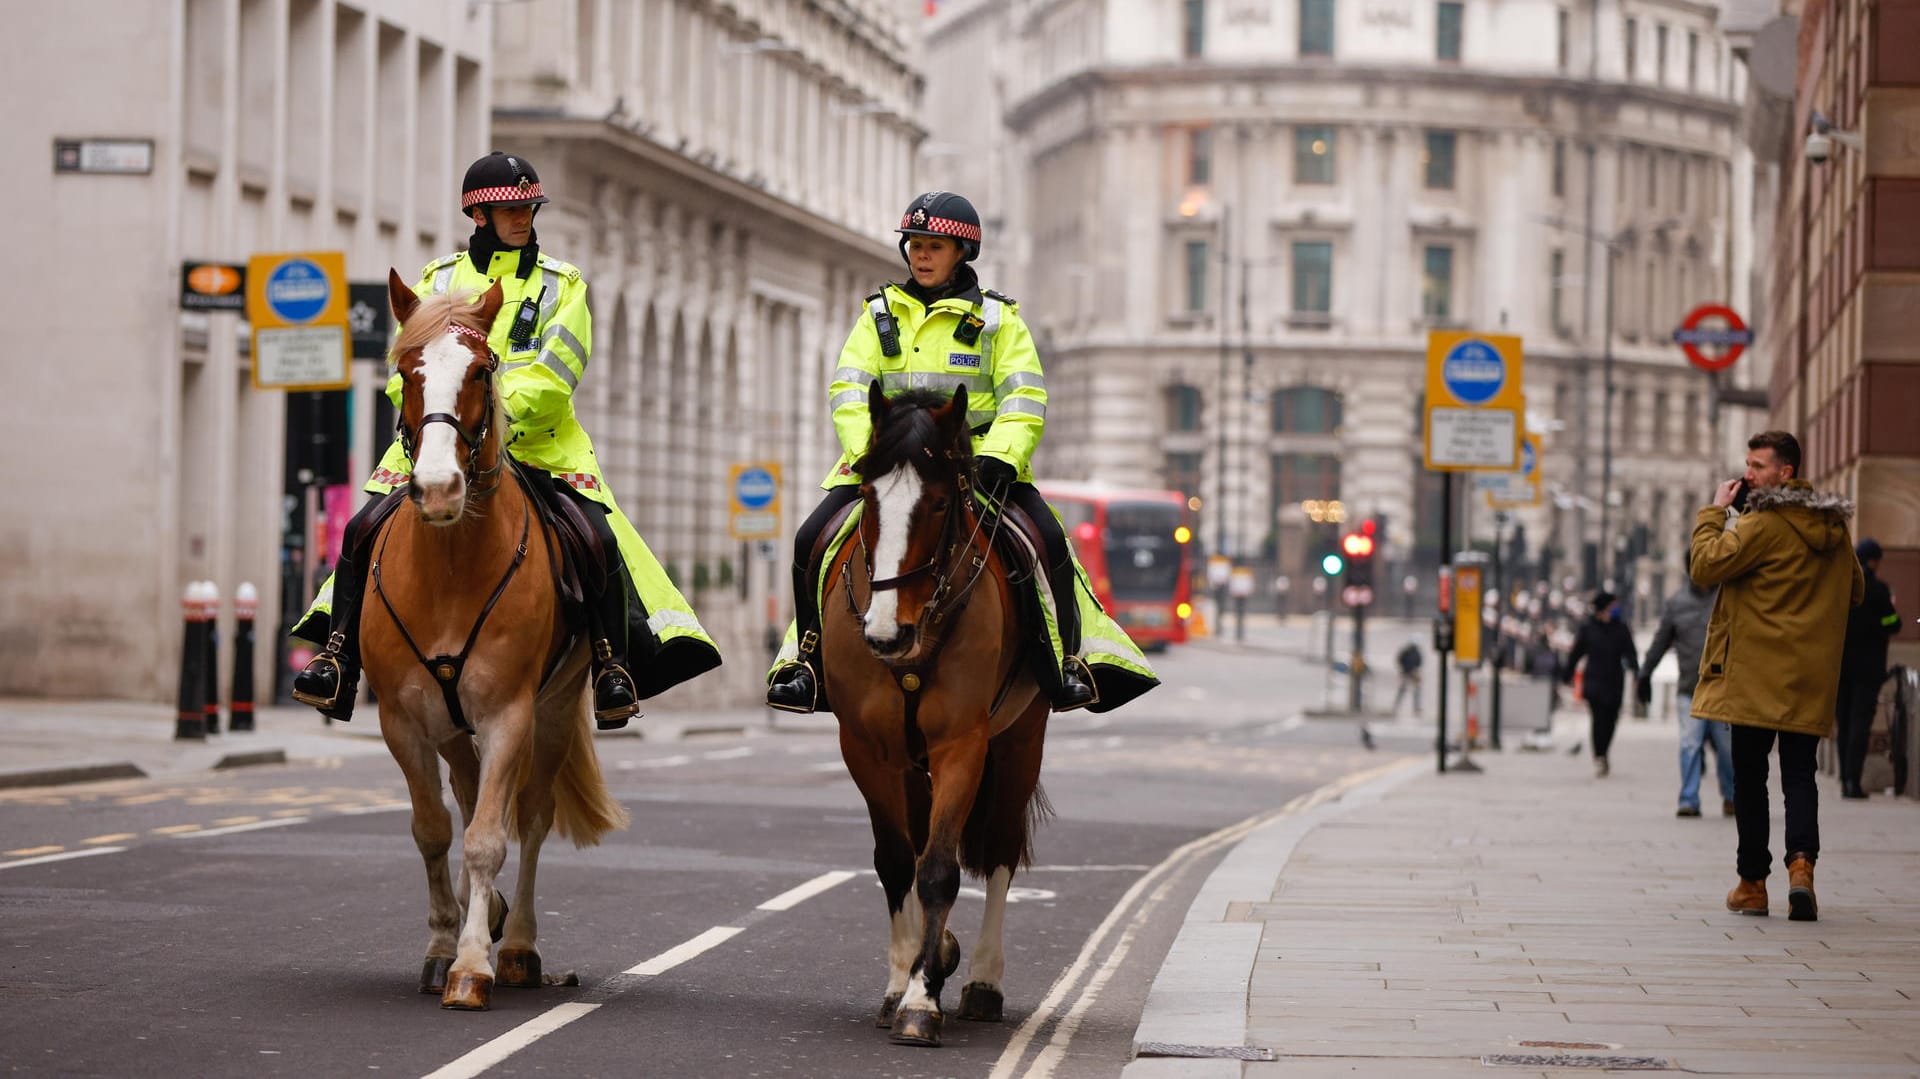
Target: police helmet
column 942, row 213
column 500, row 179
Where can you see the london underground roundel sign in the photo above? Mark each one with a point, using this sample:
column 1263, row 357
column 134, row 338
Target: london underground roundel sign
column 1713, row 336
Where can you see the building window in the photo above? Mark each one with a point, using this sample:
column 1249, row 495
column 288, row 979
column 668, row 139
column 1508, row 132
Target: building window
column 1559, row 168
column 1446, row 38
column 1556, row 275
column 1183, row 408
column 1194, row 27
column 1693, row 60
column 1306, row 410
column 1653, row 177
column 1312, row 155
column 1313, row 278
column 1196, row 275
column 1660, row 406
column 1632, row 45
column 1316, row 27
column 1660, row 54
column 1181, row 472
column 1436, row 283
column 1680, row 194
column 1438, row 160
column 1690, row 420
column 1199, row 155
column 1563, row 45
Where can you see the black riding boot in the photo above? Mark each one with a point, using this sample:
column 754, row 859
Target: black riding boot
column 1076, row 679
column 795, row 685
column 794, row 688
column 615, row 699
column 331, row 680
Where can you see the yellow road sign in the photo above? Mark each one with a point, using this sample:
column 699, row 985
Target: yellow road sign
column 297, row 305
column 1518, row 489
column 754, row 501
column 1474, row 402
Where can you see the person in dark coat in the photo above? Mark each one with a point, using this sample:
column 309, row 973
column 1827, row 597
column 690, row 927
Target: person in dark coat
column 1863, row 666
column 1607, row 646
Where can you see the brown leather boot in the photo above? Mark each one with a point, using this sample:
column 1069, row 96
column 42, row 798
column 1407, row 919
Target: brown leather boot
column 1749, row 898
column 1800, row 903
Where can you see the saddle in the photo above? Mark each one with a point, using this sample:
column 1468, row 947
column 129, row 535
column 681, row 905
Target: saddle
column 574, row 549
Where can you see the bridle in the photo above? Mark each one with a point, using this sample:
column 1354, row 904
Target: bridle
column 481, row 482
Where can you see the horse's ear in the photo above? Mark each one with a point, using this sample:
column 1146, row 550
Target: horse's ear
column 954, row 415
column 400, row 296
column 490, row 304
column 877, row 404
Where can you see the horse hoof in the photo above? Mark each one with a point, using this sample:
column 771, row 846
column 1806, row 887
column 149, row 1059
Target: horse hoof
column 467, row 991
column 917, row 1027
column 888, row 1006
column 981, row 1003
column 497, row 915
column 433, row 973
column 519, row 969
column 949, row 957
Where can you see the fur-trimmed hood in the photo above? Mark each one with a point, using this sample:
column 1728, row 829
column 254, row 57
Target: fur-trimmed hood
column 1817, row 517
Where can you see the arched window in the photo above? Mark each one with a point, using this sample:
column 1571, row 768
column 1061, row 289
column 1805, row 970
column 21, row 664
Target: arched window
column 1183, row 408
column 1306, row 410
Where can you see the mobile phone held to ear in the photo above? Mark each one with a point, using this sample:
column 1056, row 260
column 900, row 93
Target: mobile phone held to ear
column 1740, row 495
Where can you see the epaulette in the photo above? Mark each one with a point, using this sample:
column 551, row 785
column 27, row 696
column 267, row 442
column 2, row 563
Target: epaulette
column 442, row 262
column 1001, row 296
column 554, row 265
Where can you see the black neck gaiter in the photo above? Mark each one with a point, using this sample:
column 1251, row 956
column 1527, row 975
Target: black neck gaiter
column 964, row 280
column 484, row 242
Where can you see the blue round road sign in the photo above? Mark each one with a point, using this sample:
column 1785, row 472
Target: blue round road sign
column 1473, row 371
column 297, row 290
column 755, row 489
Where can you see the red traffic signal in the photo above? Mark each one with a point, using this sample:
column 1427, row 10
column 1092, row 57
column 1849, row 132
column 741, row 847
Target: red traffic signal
column 1357, row 545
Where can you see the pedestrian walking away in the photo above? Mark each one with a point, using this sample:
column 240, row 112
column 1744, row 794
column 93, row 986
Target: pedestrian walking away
column 1409, row 660
column 1787, row 575
column 1683, row 628
column 1606, row 644
column 1863, row 667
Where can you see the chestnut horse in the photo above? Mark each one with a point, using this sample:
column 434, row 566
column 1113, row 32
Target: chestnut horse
column 464, row 641
column 940, row 724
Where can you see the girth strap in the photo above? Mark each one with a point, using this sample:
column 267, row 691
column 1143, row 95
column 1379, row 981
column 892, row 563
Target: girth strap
column 446, row 669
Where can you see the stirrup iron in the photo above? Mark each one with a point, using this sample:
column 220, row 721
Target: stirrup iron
column 330, row 655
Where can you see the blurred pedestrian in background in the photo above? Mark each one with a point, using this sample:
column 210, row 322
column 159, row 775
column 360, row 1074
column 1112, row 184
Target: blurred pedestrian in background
column 1409, row 661
column 1607, row 646
column 1683, row 627
column 1863, row 666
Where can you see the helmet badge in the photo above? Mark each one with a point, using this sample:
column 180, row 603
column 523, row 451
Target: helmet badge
column 919, row 217
column 524, row 184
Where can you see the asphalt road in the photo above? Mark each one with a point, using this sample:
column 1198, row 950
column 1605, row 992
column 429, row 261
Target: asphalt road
column 272, row 920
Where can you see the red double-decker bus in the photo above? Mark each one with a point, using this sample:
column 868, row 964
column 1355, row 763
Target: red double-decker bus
column 1135, row 545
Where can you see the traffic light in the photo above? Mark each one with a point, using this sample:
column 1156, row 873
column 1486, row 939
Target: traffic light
column 1359, row 550
column 1331, row 565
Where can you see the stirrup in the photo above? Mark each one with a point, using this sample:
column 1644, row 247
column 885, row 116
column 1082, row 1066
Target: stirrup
column 775, row 683
column 1073, row 662
column 329, row 655
column 610, row 719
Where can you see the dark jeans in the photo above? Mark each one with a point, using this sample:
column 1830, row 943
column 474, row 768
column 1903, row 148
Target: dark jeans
column 1750, row 809
column 1853, row 716
column 1606, row 716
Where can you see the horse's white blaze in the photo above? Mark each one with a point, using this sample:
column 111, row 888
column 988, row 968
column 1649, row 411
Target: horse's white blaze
column 897, row 492
column 436, row 465
column 989, row 962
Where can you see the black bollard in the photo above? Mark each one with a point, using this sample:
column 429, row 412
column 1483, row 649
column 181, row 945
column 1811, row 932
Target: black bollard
column 210, row 652
column 191, row 722
column 240, row 703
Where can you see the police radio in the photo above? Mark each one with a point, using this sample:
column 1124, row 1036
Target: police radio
column 884, row 324
column 525, row 321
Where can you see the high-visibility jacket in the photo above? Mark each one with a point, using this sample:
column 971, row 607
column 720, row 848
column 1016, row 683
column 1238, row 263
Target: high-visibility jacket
column 536, row 380
column 1006, row 390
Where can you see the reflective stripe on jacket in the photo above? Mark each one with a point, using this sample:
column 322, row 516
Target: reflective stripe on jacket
column 1006, row 390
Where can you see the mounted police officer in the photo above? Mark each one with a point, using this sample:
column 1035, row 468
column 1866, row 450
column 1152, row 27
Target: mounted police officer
column 543, row 334
column 937, row 329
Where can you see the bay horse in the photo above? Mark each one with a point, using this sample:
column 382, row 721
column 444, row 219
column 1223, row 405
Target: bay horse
column 464, row 640
column 940, row 723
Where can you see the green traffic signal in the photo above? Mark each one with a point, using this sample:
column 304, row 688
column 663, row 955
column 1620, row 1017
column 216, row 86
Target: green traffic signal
column 1331, row 565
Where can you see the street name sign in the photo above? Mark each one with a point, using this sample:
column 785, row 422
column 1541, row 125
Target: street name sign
column 1474, row 402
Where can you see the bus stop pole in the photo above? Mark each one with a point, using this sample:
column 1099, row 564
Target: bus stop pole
column 1441, row 642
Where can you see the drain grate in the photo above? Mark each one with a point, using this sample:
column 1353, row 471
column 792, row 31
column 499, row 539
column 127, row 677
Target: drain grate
column 1571, row 1060
column 1220, row 1052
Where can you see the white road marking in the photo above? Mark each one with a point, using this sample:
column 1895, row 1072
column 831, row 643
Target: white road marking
column 674, row 761
column 728, row 754
column 680, row 953
column 384, row 807
column 281, row 823
column 45, row 858
column 793, row 897
column 827, row 766
column 1086, row 869
column 499, row 1049
column 1014, row 895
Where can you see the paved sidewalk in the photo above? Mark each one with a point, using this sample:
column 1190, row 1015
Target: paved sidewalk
column 1425, row 925
column 46, row 742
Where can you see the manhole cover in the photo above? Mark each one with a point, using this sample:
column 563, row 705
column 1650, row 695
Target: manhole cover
column 1222, row 1052
column 1571, row 1060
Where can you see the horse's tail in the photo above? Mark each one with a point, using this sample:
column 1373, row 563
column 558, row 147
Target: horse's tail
column 998, row 834
column 583, row 810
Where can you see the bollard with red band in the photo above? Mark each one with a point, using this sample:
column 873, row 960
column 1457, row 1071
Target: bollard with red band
column 210, row 663
column 246, row 600
column 191, row 722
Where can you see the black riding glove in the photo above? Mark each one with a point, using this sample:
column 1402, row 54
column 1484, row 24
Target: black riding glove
column 996, row 476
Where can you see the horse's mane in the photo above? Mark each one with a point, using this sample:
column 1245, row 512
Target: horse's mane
column 910, row 429
column 432, row 318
